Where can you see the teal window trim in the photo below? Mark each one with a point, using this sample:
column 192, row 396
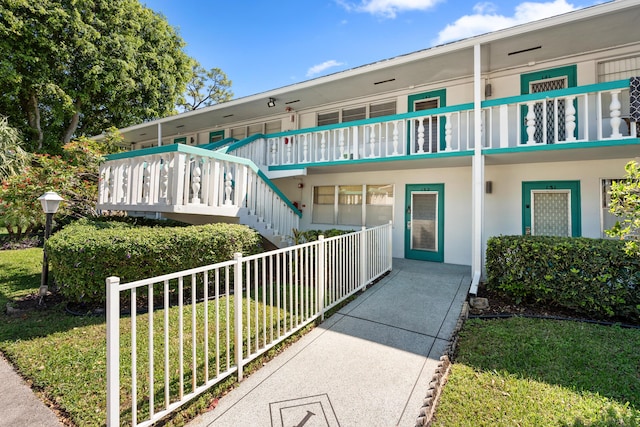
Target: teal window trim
column 441, row 94
column 570, row 72
column 573, row 186
column 216, row 133
column 182, row 140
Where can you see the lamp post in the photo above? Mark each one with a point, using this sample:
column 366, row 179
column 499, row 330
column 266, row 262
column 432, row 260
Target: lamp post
column 50, row 202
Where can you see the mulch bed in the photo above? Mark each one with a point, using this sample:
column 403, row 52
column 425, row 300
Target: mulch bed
column 501, row 305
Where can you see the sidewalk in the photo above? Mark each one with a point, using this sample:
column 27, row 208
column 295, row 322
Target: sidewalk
column 19, row 406
column 369, row 364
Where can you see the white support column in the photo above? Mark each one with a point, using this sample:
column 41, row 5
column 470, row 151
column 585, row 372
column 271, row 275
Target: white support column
column 477, row 174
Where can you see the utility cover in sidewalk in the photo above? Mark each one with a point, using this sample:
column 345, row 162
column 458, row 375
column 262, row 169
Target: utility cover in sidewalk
column 312, row 411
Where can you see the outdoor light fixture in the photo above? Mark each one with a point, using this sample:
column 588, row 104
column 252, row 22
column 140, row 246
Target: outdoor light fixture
column 271, row 102
column 50, row 202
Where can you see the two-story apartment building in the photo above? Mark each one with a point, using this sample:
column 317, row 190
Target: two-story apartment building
column 518, row 131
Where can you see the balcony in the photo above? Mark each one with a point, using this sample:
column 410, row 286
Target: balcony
column 233, row 183
column 592, row 115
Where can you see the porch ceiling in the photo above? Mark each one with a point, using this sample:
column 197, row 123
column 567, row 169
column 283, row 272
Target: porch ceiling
column 591, row 29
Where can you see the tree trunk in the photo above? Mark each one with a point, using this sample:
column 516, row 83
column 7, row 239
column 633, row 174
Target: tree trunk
column 33, row 115
column 73, row 125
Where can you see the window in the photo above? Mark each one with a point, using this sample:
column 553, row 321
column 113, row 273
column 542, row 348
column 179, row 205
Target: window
column 353, row 204
column 619, row 69
column 255, row 128
column 354, row 114
column 216, row 136
column 323, row 205
column 380, row 110
column 328, row 118
column 357, row 113
column 273, row 127
column 379, row 205
column 350, row 205
column 607, row 220
column 239, row 133
column 182, row 140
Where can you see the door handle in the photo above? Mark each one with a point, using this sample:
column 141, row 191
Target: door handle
column 408, row 225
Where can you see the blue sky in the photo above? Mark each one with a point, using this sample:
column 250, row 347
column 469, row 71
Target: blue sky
column 263, row 45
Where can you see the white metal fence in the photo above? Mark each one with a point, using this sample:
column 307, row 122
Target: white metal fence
column 190, row 330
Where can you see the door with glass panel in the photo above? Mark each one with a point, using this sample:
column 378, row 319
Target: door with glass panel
column 551, row 208
column 424, row 222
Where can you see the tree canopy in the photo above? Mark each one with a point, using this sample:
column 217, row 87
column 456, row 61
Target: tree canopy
column 205, row 88
column 72, row 67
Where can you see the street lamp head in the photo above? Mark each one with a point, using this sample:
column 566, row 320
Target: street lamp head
column 50, row 202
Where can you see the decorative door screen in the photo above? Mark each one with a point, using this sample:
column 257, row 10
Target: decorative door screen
column 546, row 120
column 551, row 213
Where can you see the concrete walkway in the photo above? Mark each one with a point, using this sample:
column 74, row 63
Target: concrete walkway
column 19, row 406
column 368, row 365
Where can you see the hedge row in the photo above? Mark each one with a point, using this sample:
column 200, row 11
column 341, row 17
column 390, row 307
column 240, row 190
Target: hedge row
column 84, row 254
column 593, row 277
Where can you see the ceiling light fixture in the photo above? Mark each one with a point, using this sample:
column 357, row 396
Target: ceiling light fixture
column 271, row 102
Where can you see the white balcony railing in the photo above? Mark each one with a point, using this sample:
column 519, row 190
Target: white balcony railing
column 588, row 113
column 189, row 180
column 215, row 319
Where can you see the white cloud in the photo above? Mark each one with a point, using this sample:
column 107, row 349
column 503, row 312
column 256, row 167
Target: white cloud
column 387, row 8
column 317, row 69
column 485, row 18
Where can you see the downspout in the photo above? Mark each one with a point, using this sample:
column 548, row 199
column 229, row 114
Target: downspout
column 477, row 175
column 159, row 134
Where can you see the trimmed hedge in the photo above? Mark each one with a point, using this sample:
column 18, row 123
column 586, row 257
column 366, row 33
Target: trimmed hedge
column 84, row 254
column 593, row 277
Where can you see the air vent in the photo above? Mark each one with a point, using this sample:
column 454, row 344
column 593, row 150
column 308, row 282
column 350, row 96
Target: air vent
column 384, row 81
column 524, row 50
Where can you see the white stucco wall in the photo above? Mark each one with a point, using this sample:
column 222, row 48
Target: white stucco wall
column 457, row 197
column 503, row 207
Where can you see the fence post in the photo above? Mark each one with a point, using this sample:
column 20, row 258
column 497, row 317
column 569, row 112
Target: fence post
column 237, row 312
column 390, row 246
column 321, row 276
column 363, row 257
column 113, row 351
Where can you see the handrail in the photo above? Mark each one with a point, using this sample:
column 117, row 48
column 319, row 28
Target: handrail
column 180, row 148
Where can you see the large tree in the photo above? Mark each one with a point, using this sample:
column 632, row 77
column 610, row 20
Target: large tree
column 205, row 88
column 72, row 67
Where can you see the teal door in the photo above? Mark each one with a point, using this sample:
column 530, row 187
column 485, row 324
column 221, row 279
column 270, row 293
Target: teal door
column 424, row 222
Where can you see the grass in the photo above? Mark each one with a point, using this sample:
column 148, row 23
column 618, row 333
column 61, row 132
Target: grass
column 533, row 372
column 515, row 372
column 65, row 356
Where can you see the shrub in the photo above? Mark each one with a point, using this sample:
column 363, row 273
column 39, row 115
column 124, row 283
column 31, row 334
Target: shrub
column 312, row 235
column 83, row 254
column 593, row 277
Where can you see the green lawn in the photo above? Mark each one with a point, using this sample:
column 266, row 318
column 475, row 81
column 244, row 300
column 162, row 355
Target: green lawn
column 531, row 372
column 65, row 356
column 514, row 372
